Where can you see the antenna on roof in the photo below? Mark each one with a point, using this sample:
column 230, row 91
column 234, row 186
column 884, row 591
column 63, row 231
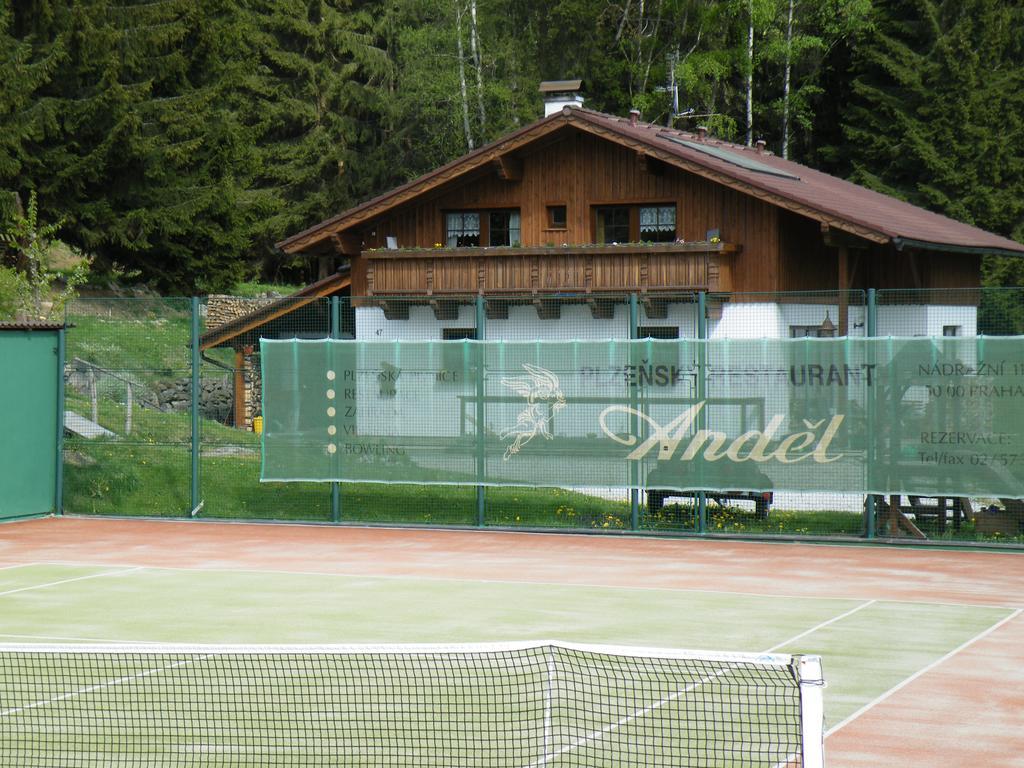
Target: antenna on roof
column 671, row 59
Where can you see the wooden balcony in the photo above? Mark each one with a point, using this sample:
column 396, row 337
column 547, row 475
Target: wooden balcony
column 431, row 274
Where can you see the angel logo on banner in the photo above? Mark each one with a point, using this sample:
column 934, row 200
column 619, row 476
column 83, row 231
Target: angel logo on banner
column 543, row 399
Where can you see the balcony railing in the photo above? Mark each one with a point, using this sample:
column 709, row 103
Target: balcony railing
column 644, row 267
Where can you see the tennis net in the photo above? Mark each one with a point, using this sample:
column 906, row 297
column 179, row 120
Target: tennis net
column 528, row 705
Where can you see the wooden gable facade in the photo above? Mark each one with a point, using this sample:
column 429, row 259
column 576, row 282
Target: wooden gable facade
column 578, row 172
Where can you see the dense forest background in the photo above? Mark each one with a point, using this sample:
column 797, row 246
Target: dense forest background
column 177, row 140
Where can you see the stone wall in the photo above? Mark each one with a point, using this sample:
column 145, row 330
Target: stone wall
column 215, row 397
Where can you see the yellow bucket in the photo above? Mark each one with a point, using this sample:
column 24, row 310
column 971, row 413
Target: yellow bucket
column 257, row 425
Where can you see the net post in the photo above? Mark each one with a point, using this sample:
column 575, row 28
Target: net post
column 634, row 468
column 812, row 710
column 335, row 334
column 702, row 335
column 194, row 404
column 58, row 489
column 481, row 466
column 870, row 329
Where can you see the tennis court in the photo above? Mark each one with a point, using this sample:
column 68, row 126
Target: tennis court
column 922, row 649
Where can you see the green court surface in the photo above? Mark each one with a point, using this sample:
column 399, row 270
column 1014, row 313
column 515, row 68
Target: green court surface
column 868, row 647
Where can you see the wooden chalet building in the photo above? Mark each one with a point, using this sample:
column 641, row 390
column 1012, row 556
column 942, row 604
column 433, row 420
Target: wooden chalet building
column 598, row 206
column 587, row 203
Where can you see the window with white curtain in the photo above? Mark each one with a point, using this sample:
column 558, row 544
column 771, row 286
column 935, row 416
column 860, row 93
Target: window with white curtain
column 658, row 223
column 462, row 229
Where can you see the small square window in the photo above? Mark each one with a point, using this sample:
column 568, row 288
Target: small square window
column 556, row 217
column 951, row 330
column 454, row 356
column 457, row 334
column 810, row 331
column 657, row 332
column 662, row 354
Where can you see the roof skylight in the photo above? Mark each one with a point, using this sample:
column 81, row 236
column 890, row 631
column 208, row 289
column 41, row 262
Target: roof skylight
column 733, row 158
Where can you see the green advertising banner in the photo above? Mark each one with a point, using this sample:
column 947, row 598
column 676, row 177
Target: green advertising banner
column 926, row 416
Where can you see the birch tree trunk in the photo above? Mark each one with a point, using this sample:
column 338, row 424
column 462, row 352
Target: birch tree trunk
column 462, row 74
column 477, row 54
column 750, row 73
column 785, row 82
column 622, row 21
column 650, row 54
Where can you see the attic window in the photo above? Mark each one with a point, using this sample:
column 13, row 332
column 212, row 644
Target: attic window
column 612, row 224
column 471, row 229
column 556, row 217
column 504, row 228
column 462, row 229
column 658, row 223
column 734, row 158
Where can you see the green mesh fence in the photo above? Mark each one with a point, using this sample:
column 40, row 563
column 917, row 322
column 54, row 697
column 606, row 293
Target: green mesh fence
column 928, row 416
column 127, row 372
column 129, row 365
column 230, row 406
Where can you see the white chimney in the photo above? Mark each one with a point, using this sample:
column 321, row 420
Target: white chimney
column 561, row 93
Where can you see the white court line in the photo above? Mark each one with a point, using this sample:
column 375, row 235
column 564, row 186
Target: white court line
column 61, row 639
column 513, row 582
column 100, row 686
column 68, row 581
column 16, row 565
column 635, row 715
column 920, row 672
column 823, row 624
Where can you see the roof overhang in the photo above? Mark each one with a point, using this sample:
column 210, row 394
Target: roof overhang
column 231, row 330
column 902, row 243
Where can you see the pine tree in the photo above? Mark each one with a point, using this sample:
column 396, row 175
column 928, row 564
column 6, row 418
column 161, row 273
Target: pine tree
column 938, row 109
column 308, row 101
column 25, row 67
column 938, row 119
column 141, row 159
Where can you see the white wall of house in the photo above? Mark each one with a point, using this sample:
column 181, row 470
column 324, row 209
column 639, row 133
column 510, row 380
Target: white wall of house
column 575, row 322
column 926, row 320
column 755, row 320
column 738, row 320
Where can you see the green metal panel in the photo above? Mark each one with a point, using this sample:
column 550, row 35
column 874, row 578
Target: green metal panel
column 28, row 446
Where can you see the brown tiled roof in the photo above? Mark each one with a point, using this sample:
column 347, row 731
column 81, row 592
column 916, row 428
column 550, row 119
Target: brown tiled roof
column 819, row 196
column 831, row 196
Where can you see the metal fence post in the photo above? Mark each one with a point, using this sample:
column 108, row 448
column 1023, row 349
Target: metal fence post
column 195, row 405
column 870, row 329
column 335, row 334
column 58, row 490
column 481, row 467
column 702, row 335
column 634, row 468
